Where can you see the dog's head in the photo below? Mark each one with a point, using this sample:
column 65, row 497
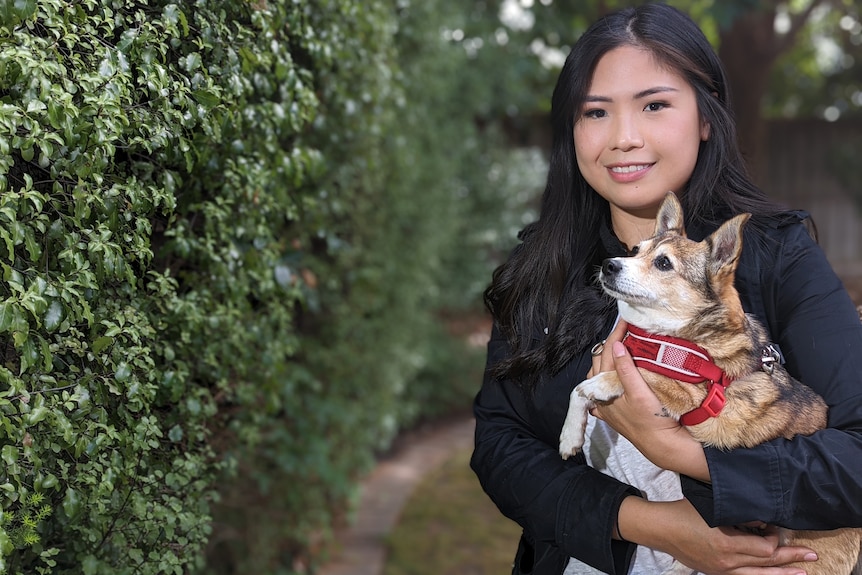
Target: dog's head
column 672, row 280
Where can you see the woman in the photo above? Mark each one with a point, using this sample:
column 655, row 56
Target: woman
column 642, row 107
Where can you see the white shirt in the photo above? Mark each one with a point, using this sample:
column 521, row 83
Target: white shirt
column 614, row 455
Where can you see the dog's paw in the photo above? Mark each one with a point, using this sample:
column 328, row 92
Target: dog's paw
column 571, row 442
column 602, row 387
column 574, row 428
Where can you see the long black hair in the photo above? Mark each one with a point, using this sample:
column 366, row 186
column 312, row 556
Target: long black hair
column 545, row 291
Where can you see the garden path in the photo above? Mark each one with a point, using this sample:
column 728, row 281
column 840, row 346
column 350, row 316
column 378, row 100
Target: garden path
column 361, row 547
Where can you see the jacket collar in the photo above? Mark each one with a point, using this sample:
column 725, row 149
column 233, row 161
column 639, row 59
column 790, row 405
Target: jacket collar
column 613, row 247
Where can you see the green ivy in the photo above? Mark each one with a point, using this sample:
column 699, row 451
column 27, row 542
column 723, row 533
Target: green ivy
column 225, row 234
column 131, row 271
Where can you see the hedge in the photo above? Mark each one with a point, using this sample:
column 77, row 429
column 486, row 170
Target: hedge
column 226, row 231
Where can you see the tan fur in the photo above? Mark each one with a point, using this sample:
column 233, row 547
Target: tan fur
column 742, row 422
column 685, row 289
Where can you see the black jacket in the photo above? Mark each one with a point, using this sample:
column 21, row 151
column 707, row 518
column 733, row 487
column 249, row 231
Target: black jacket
column 566, row 508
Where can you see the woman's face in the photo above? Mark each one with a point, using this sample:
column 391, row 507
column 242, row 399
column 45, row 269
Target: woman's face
column 638, row 134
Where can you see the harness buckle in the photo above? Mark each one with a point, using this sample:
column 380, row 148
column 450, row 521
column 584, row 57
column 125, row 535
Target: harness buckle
column 768, row 357
column 714, row 401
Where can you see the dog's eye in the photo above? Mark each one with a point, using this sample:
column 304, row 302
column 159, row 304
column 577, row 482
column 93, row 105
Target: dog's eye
column 634, row 251
column 663, row 263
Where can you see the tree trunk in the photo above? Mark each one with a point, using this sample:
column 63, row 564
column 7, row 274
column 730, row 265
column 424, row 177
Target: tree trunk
column 748, row 51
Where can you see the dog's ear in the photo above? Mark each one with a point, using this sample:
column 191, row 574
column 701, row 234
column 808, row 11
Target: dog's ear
column 670, row 217
column 726, row 244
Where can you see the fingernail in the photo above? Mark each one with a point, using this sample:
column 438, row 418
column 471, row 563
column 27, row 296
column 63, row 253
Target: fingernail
column 619, row 349
column 810, row 557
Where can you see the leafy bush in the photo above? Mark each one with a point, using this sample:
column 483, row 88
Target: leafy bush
column 225, row 229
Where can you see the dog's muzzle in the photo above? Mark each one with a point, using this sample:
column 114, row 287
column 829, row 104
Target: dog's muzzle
column 611, row 267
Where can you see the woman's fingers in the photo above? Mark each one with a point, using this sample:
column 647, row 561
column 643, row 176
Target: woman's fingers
column 677, row 528
column 618, row 333
column 603, row 359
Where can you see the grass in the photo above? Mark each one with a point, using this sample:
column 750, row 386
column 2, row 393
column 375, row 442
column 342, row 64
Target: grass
column 449, row 527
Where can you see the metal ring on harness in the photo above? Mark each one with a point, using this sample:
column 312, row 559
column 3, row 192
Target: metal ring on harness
column 769, row 356
column 598, row 348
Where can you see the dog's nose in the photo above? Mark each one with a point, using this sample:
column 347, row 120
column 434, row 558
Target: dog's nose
column 611, row 267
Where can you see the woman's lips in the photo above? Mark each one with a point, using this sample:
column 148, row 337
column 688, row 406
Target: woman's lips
column 628, row 172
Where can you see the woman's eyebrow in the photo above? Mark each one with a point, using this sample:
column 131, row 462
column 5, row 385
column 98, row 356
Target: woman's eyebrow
column 653, row 91
column 638, row 95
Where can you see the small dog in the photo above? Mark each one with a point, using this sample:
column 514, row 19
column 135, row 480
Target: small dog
column 709, row 363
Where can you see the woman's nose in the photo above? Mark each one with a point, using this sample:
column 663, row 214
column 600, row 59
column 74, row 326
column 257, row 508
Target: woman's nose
column 626, row 135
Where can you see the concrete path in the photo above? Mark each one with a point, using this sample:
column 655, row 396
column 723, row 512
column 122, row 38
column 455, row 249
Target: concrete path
column 362, row 547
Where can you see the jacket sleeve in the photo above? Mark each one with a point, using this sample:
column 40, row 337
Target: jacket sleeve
column 566, row 504
column 809, row 482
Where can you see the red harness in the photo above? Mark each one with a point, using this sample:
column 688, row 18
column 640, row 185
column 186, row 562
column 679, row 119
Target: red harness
column 684, row 361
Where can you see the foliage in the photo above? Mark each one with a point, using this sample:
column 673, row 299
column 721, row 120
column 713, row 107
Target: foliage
column 526, row 42
column 21, row 527
column 405, row 177
column 226, row 230
column 821, row 75
column 91, row 148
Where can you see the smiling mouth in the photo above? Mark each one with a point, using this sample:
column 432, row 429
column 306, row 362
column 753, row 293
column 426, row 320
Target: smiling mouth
column 629, row 169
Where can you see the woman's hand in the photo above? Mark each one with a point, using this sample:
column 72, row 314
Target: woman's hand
column 676, row 528
column 639, row 416
column 605, row 360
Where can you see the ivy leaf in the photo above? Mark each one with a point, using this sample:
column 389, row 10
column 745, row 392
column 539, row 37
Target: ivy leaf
column 9, row 454
column 29, row 353
column 53, row 316
column 101, row 343
column 14, row 12
column 122, row 372
column 206, row 98
column 33, row 247
column 6, row 316
column 71, row 503
column 176, row 433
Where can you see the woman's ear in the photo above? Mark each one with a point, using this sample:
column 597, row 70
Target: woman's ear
column 704, row 130
column 704, row 125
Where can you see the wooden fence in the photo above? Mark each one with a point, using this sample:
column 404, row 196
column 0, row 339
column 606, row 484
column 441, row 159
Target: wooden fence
column 817, row 166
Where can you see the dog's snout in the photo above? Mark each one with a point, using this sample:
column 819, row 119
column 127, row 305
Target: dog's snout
column 611, row 267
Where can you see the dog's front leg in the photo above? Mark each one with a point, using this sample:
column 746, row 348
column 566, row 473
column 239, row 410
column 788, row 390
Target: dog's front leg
column 602, row 387
column 572, row 434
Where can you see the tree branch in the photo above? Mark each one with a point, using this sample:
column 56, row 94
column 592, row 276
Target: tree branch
column 797, row 22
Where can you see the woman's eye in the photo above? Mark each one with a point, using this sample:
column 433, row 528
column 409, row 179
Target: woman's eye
column 663, row 263
column 596, row 113
column 655, row 106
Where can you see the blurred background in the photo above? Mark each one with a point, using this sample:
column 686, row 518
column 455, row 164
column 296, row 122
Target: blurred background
column 468, row 84
column 796, row 77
